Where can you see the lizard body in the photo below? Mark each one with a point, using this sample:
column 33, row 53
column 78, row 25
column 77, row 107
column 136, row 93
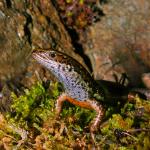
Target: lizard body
column 77, row 81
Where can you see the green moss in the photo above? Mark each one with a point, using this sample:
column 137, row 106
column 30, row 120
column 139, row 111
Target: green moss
column 33, row 106
column 32, row 120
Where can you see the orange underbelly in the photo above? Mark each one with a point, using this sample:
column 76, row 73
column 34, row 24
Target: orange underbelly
column 84, row 104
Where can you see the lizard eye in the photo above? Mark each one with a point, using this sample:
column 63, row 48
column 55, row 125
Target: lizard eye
column 52, row 55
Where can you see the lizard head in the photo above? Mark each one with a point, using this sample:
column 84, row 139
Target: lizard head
column 49, row 55
column 52, row 59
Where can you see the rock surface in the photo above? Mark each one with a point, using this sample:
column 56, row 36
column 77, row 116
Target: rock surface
column 120, row 42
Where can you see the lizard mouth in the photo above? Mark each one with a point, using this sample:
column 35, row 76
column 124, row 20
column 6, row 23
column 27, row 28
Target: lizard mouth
column 40, row 56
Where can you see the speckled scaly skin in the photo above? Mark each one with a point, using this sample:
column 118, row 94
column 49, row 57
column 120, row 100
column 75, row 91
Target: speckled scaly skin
column 78, row 83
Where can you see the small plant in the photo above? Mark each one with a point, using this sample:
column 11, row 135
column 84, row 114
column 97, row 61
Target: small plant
column 79, row 13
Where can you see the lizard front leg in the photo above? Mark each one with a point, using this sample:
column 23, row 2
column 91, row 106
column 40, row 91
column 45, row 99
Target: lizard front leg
column 98, row 118
column 59, row 103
